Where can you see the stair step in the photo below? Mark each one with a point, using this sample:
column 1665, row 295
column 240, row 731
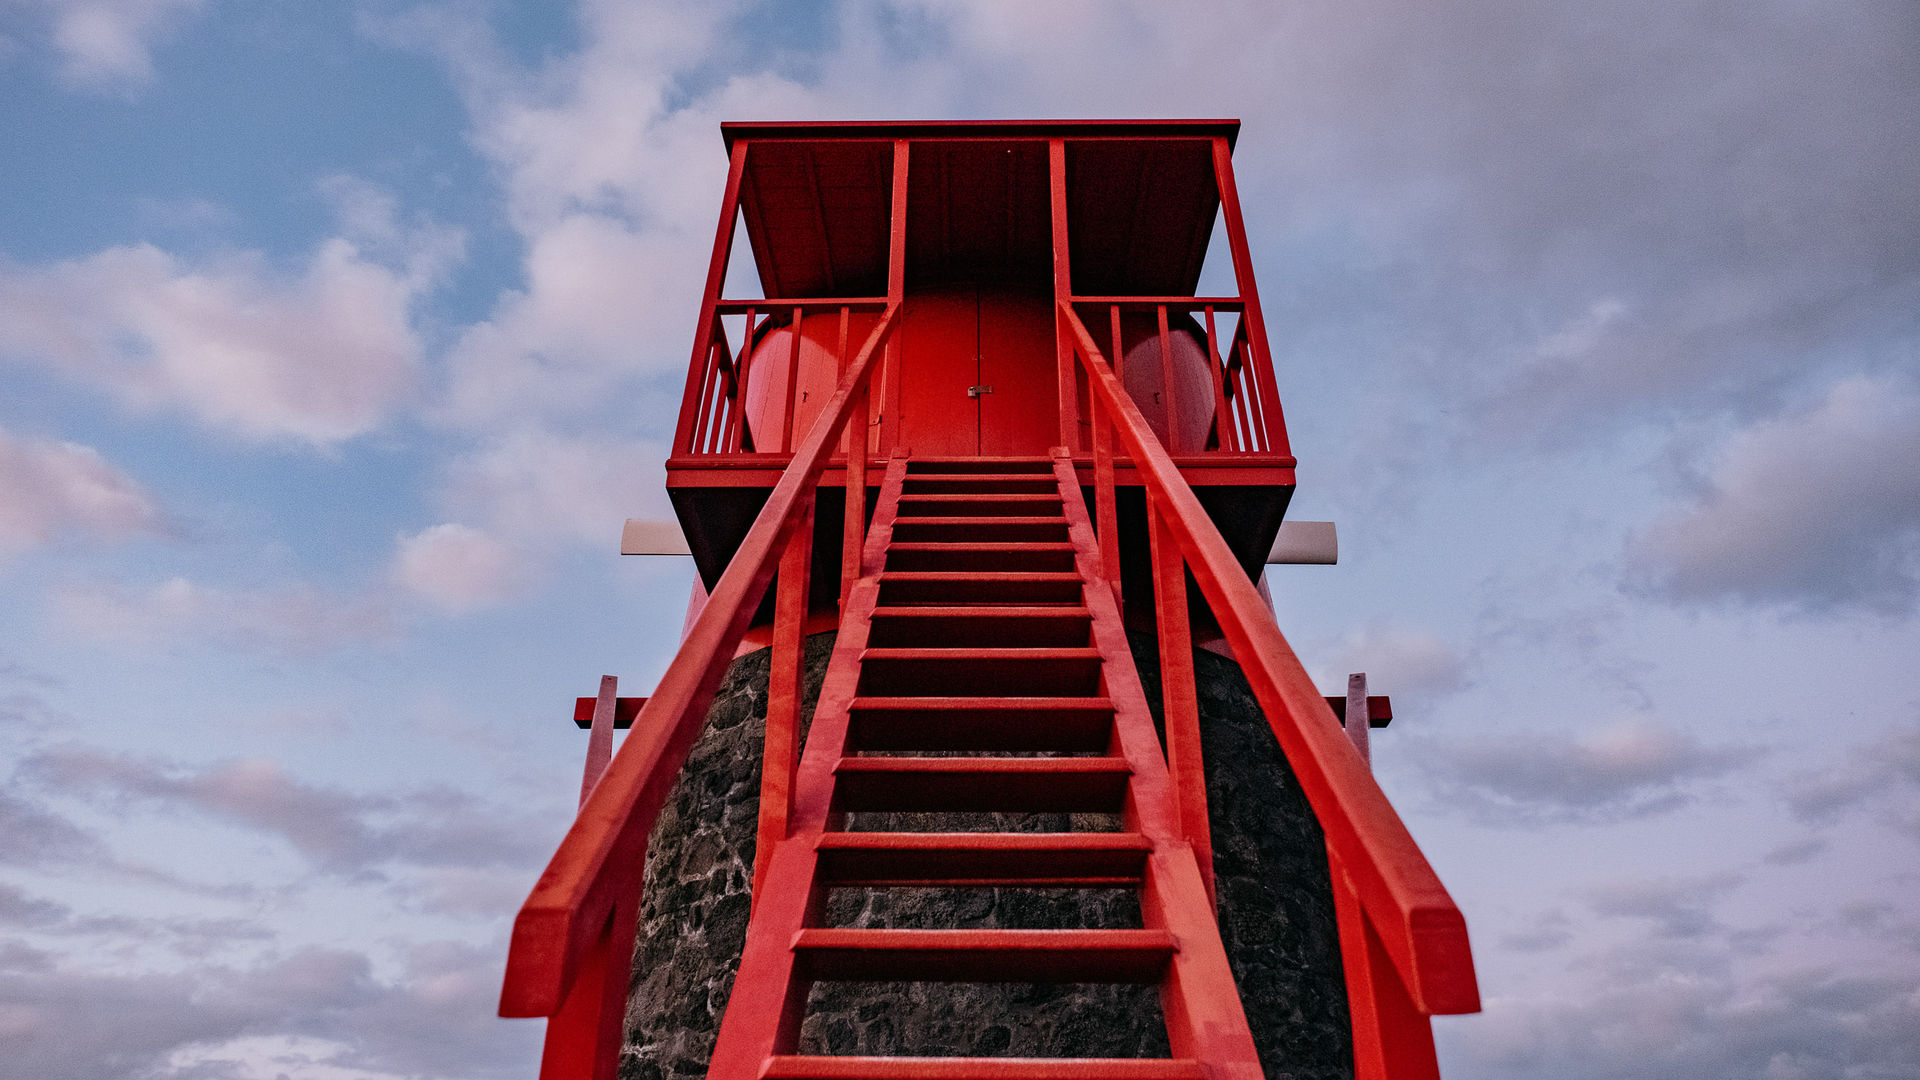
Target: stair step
column 1079, row 860
column 977, row 505
column 1047, row 724
column 1033, row 483
column 1049, row 956
column 923, row 465
column 1004, row 556
column 979, row 587
column 981, row 625
column 826, row 1067
column 1012, row 785
column 987, row 672
column 980, row 529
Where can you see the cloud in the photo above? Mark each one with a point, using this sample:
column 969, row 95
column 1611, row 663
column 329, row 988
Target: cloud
column 105, row 44
column 317, row 356
column 1884, row 774
column 1814, row 511
column 456, row 567
column 32, row 835
column 1398, row 661
column 48, row 489
column 311, row 1012
column 339, row 831
column 1622, row 770
column 1679, row 908
column 289, row 620
column 543, row 489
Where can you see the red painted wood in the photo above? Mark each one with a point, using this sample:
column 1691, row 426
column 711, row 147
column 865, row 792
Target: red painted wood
column 1379, row 709
column 1019, row 785
column 625, row 709
column 1179, row 698
column 939, row 347
column 1255, row 323
column 1421, row 929
column 781, row 753
column 1031, row 859
column 716, row 275
column 985, row 955
column 823, row 1067
column 1016, row 332
column 583, row 1037
column 1061, row 725
column 598, row 863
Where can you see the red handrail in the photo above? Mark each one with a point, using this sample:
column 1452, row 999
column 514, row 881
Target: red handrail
column 599, row 864
column 1422, row 932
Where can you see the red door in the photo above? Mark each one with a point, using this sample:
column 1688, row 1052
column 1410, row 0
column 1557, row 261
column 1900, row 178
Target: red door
column 977, row 373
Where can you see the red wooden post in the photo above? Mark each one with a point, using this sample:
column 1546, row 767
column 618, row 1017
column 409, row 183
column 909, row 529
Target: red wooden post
column 1392, row 1040
column 742, row 438
column 1167, row 392
column 1062, row 290
column 854, row 522
column 716, row 277
column 583, row 1037
column 1180, row 701
column 1217, row 375
column 793, row 383
column 1106, row 517
column 600, row 737
column 1250, row 316
column 896, row 294
column 782, row 752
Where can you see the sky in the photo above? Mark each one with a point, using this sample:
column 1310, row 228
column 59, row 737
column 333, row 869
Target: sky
column 337, row 340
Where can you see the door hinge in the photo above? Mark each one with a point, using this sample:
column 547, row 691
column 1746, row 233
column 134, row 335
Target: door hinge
column 976, row 391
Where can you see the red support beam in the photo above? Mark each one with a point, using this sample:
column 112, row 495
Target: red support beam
column 1179, row 698
column 782, row 748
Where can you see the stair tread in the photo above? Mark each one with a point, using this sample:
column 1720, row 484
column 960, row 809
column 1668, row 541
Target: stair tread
column 982, row 652
column 957, row 702
column 962, row 765
column 984, row 519
column 975, row 841
column 870, row 1067
column 1019, row 546
column 998, row 611
column 978, row 575
column 848, row 953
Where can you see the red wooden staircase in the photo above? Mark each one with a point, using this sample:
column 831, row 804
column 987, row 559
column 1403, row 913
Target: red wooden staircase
column 980, row 627
column 981, row 666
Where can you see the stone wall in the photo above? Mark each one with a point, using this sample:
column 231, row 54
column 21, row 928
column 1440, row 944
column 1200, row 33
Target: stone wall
column 1276, row 912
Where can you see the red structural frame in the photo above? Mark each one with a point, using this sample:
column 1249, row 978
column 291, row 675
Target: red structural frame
column 1403, row 942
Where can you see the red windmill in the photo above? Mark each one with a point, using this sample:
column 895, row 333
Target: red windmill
column 982, row 430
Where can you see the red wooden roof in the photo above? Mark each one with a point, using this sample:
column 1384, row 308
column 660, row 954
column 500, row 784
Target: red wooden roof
column 1141, row 201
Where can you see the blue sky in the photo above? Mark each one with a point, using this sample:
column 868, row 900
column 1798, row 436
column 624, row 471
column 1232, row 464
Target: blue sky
column 337, row 339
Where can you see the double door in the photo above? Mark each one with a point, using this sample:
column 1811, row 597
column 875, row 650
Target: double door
column 977, row 373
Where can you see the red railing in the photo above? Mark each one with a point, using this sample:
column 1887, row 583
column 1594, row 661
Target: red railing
column 727, row 370
column 1403, row 942
column 1245, row 405
column 573, row 939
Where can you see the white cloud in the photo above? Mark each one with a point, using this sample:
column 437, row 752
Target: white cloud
column 1398, row 661
column 1619, row 770
column 107, row 43
column 50, row 488
column 1818, row 510
column 455, row 566
column 540, row 489
column 320, row 356
column 292, row 620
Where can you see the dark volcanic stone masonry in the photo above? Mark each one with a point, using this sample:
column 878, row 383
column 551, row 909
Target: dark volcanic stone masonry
column 1276, row 912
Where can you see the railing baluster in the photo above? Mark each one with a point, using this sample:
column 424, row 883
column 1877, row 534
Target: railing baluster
column 782, row 753
column 742, row 434
column 855, row 520
column 584, row 1035
column 1223, row 433
column 1264, row 443
column 1174, row 441
column 1179, row 699
column 698, row 445
column 793, row 385
column 1106, row 518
